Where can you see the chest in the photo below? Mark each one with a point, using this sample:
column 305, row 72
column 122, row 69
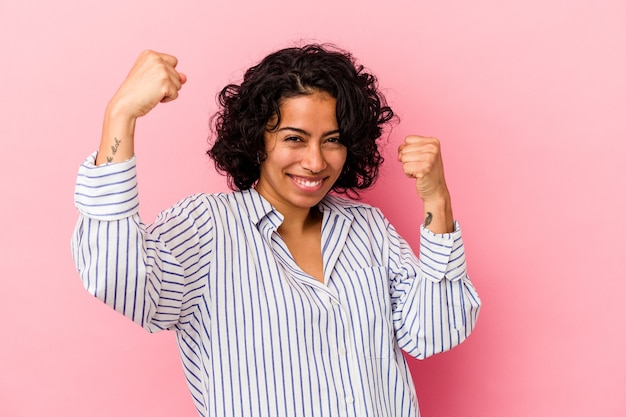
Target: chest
column 261, row 296
column 333, row 264
column 306, row 252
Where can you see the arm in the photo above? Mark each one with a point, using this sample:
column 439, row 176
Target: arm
column 134, row 269
column 150, row 274
column 435, row 304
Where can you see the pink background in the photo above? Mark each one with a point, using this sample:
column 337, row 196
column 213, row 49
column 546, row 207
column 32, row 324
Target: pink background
column 528, row 98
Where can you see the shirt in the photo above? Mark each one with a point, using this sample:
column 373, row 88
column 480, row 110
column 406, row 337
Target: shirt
column 258, row 336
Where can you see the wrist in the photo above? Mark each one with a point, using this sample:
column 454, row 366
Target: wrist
column 438, row 217
column 118, row 131
column 119, row 111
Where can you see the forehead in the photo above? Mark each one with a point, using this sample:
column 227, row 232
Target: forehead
column 315, row 109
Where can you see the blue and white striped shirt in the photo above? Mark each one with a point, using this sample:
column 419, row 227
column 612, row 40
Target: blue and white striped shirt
column 258, row 336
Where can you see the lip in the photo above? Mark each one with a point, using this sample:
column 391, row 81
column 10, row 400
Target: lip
column 308, row 184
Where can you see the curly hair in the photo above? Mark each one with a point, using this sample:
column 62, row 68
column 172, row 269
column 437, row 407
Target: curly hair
column 246, row 109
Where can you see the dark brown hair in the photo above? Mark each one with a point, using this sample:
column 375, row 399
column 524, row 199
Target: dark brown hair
column 245, row 110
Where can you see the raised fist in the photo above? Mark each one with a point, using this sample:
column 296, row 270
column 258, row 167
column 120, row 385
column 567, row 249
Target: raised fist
column 153, row 79
column 421, row 159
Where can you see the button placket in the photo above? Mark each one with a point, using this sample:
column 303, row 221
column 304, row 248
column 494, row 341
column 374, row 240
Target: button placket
column 344, row 352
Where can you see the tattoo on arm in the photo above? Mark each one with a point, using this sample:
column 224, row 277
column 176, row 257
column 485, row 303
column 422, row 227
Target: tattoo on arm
column 114, row 149
column 428, row 219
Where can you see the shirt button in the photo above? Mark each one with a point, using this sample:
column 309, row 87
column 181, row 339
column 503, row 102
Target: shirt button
column 341, row 350
column 349, row 399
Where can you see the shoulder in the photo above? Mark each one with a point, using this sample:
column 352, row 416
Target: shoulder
column 229, row 207
column 196, row 205
column 340, row 201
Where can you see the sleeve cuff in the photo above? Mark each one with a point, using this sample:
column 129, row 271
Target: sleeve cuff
column 442, row 255
column 107, row 192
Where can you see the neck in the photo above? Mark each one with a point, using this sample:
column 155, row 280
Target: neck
column 296, row 223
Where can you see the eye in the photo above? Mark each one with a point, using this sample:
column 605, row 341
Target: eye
column 334, row 140
column 292, row 139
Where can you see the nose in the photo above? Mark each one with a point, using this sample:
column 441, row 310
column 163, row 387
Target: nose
column 313, row 159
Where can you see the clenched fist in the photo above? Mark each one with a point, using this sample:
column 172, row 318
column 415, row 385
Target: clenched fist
column 153, row 79
column 421, row 159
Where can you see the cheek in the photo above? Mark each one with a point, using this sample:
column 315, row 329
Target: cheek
column 282, row 159
column 278, row 160
column 340, row 159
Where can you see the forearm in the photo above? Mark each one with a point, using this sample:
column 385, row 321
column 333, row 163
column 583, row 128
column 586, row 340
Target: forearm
column 436, row 309
column 118, row 132
column 439, row 316
column 438, row 217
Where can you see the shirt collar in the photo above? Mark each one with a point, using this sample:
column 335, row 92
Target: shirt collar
column 338, row 206
column 258, row 208
column 255, row 206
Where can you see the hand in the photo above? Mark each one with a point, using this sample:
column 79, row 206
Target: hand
column 421, row 159
column 153, row 79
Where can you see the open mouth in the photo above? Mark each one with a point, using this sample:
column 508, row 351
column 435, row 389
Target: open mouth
column 307, row 184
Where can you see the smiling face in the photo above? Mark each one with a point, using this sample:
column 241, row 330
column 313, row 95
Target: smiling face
column 304, row 155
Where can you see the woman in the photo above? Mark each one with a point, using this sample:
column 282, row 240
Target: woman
column 286, row 299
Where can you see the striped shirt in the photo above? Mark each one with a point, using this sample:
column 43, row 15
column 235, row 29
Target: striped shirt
column 257, row 335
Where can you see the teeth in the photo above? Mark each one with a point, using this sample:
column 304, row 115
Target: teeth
column 307, row 183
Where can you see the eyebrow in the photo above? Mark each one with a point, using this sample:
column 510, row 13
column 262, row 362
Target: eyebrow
column 304, row 132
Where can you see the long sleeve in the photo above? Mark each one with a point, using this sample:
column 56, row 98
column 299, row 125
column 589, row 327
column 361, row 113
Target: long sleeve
column 435, row 305
column 145, row 273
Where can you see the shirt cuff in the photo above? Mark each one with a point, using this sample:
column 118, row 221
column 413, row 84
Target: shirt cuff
column 107, row 192
column 442, row 255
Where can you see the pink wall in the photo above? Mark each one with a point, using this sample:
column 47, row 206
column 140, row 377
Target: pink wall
column 527, row 96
